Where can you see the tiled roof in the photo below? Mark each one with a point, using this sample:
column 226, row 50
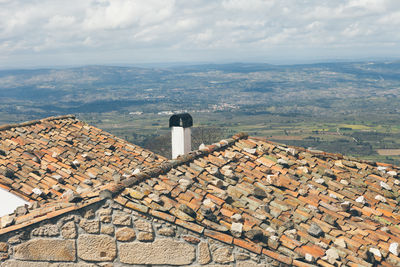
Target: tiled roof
column 286, row 202
column 294, row 205
column 43, row 159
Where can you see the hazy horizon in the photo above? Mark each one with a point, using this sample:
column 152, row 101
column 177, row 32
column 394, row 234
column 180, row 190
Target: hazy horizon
column 189, row 63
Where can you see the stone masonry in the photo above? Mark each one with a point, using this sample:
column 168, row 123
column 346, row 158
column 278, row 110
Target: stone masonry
column 107, row 234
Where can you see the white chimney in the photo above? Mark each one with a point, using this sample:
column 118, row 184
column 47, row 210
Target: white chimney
column 181, row 134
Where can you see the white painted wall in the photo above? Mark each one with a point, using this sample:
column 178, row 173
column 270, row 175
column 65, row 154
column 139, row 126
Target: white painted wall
column 181, row 141
column 9, row 202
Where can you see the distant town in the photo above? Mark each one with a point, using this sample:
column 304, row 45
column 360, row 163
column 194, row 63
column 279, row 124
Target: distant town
column 348, row 108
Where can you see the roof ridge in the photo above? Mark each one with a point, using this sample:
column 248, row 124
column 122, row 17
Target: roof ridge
column 116, row 188
column 321, row 153
column 112, row 189
column 306, row 199
column 29, row 123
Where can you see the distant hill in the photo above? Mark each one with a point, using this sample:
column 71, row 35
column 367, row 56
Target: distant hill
column 85, row 89
column 307, row 102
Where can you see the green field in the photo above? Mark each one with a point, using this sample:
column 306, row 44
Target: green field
column 351, row 108
column 352, row 139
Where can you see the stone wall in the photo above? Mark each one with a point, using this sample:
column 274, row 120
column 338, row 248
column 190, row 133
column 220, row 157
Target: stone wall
column 106, row 234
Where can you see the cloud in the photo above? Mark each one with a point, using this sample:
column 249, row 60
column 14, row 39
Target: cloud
column 104, row 15
column 247, row 6
column 140, row 31
column 60, row 22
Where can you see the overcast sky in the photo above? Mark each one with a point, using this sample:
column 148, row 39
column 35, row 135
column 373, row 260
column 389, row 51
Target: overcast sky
column 75, row 32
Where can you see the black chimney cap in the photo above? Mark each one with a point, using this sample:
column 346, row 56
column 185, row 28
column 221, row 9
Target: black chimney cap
column 181, row 120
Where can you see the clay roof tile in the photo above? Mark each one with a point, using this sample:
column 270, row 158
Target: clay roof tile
column 286, row 193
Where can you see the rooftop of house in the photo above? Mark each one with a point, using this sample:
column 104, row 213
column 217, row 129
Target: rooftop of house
column 289, row 203
column 44, row 159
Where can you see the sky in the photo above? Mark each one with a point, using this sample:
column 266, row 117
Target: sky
column 9, row 202
column 82, row 32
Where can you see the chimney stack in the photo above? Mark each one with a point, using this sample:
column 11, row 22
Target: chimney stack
column 181, row 135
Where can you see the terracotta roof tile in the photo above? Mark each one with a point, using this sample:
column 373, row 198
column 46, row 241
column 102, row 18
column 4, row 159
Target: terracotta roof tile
column 319, row 202
column 66, row 147
column 291, row 202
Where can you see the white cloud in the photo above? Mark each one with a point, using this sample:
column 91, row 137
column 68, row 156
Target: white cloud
column 248, row 5
column 201, row 30
column 368, row 5
column 60, row 21
column 124, row 13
